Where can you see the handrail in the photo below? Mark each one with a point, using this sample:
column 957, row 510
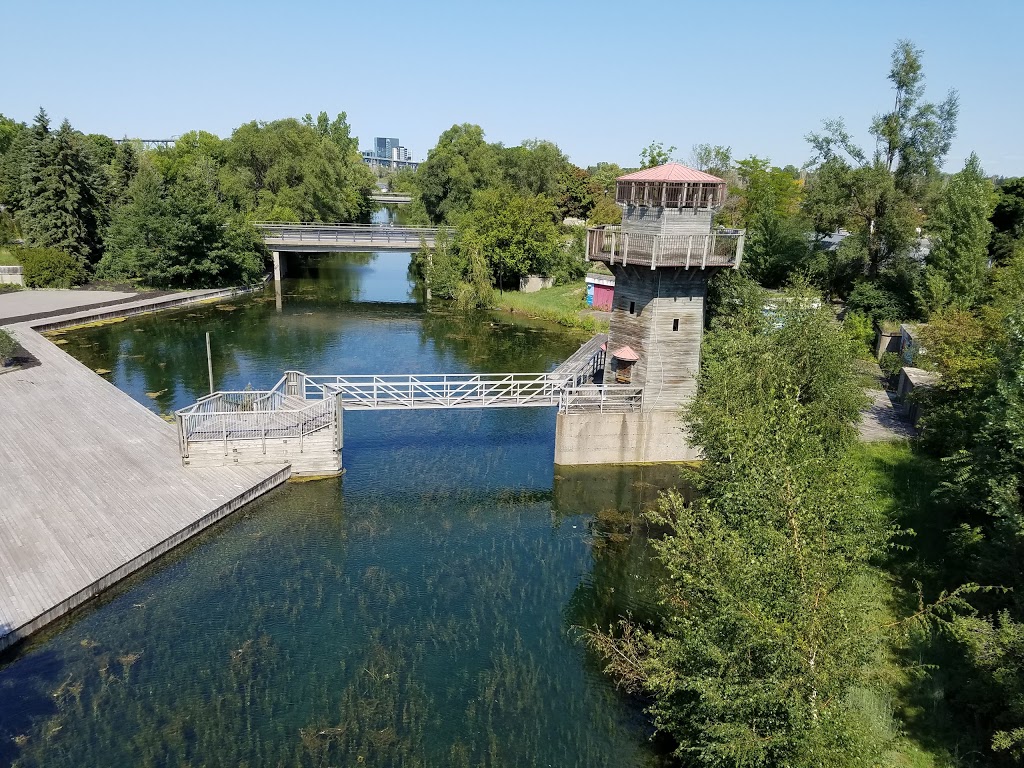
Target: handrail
column 340, row 225
column 300, row 404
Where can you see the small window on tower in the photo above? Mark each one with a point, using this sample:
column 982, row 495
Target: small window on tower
column 675, row 324
column 632, row 307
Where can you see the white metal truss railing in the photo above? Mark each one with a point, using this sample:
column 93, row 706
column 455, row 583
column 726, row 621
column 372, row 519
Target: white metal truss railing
column 454, row 390
column 300, row 405
column 603, row 398
column 583, row 365
column 251, row 415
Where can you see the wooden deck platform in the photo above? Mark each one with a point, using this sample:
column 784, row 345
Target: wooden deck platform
column 92, row 487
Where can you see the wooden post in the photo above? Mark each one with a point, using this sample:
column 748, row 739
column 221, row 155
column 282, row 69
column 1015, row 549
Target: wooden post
column 209, row 361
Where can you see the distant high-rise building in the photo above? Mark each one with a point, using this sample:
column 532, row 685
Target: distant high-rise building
column 399, row 153
column 383, row 147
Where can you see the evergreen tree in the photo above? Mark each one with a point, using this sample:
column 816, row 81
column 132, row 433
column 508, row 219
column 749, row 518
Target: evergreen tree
column 178, row 235
column 60, row 192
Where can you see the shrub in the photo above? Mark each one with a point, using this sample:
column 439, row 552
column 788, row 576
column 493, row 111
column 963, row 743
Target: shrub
column 50, row 268
column 891, row 363
column 9, row 287
column 7, row 346
column 861, row 330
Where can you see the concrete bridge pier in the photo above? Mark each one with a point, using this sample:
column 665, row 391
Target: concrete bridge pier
column 278, row 266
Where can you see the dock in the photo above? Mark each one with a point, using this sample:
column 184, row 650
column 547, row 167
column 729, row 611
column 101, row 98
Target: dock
column 92, row 486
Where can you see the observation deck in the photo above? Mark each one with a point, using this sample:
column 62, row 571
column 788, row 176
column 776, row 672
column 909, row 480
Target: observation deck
column 718, row 248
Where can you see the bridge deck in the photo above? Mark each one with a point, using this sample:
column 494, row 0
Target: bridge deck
column 333, row 237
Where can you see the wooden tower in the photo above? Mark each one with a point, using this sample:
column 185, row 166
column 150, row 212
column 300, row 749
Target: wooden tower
column 661, row 256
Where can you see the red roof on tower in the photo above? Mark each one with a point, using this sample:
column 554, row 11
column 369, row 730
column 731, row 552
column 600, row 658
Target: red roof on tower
column 671, row 172
column 626, row 354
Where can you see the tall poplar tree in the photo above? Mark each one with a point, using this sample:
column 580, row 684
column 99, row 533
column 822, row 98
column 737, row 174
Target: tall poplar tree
column 961, row 229
column 768, row 607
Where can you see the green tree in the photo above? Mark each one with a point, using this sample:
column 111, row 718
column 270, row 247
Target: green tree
column 1007, row 219
column 534, row 168
column 604, row 176
column 461, row 163
column 178, row 235
column 516, row 234
column 285, row 170
column 576, row 193
column 338, row 131
column 605, row 211
column 759, row 655
column 878, row 194
column 60, row 191
column 716, row 160
column 655, row 154
column 768, row 207
column 961, row 230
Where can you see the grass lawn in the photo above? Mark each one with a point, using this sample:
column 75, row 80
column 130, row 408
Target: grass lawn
column 920, row 668
column 7, row 258
column 563, row 304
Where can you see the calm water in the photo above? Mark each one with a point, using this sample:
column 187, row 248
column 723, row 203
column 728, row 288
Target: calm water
column 419, row 611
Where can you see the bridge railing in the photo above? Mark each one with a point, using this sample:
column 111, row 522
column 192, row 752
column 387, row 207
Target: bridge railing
column 454, row 390
column 718, row 248
column 312, row 233
column 250, row 415
column 585, row 364
column 602, row 398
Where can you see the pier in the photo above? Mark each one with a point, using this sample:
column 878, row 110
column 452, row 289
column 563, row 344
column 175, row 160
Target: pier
column 92, row 485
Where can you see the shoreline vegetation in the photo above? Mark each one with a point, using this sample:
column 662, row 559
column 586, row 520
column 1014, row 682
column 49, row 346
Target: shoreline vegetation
column 561, row 304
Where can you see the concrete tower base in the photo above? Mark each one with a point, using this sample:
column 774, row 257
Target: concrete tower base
column 621, row 438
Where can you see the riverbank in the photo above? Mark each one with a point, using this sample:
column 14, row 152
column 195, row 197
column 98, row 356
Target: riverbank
column 562, row 304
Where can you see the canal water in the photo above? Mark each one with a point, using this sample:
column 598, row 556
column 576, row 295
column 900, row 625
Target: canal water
column 422, row 610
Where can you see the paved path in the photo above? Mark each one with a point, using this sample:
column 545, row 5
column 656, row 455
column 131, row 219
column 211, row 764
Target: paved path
column 884, row 420
column 92, row 486
column 25, row 304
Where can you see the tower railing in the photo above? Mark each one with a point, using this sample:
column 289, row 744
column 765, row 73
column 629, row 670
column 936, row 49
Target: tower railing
column 718, row 248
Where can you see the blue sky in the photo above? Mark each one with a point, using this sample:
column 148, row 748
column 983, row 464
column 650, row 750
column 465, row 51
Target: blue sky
column 601, row 79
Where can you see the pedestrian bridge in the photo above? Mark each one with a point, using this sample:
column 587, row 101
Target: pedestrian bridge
column 301, row 419
column 316, row 237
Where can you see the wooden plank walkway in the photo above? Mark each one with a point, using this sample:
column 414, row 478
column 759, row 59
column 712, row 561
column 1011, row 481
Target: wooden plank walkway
column 92, row 486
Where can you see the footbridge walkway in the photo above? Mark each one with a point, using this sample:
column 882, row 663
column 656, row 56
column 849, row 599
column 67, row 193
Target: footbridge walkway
column 316, row 237
column 300, row 420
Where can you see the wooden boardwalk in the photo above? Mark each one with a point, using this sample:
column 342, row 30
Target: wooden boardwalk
column 92, row 487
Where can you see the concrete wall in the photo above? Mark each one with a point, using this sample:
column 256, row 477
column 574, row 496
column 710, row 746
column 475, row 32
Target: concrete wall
column 533, row 283
column 317, row 454
column 887, row 341
column 669, row 359
column 11, row 276
column 621, row 438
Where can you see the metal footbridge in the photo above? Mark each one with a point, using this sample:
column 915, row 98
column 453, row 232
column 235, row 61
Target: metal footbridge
column 305, row 412
column 317, row 237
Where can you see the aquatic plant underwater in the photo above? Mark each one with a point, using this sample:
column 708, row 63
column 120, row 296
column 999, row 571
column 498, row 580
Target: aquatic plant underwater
column 420, row 611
